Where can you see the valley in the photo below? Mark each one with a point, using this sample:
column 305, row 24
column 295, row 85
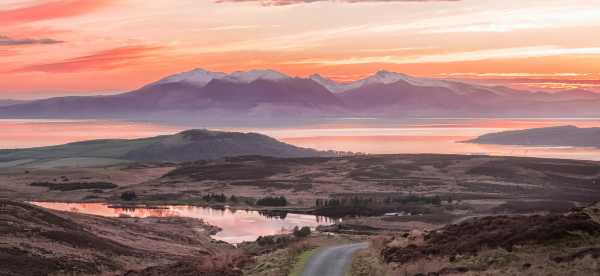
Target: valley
column 373, row 195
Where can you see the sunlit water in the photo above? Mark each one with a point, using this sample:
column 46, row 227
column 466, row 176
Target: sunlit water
column 366, row 135
column 237, row 225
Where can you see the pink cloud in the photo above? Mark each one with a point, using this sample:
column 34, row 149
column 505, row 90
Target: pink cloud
column 51, row 10
column 102, row 60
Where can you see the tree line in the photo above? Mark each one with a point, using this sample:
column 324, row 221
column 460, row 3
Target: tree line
column 357, row 201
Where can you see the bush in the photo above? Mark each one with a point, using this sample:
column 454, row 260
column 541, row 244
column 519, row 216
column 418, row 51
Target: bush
column 128, row 196
column 301, row 232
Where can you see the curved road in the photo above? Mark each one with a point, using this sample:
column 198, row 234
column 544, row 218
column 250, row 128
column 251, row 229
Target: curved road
column 332, row 261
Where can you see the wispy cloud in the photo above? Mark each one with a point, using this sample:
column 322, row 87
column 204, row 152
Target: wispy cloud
column 515, row 75
column 7, row 41
column 240, row 27
column 103, row 60
column 487, row 54
column 267, row 3
column 50, row 10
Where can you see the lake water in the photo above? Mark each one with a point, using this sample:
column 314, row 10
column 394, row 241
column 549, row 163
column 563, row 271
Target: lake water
column 237, row 225
column 367, row 135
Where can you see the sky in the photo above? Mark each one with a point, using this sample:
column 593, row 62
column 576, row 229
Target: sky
column 79, row 47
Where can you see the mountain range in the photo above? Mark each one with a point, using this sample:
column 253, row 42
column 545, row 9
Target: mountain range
column 190, row 145
column 205, row 94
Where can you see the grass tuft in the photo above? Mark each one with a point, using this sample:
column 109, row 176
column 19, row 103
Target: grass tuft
column 300, row 262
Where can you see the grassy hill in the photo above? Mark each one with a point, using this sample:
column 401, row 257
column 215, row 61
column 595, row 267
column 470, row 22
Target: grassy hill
column 188, row 145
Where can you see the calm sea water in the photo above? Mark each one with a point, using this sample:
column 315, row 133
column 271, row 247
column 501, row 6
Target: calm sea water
column 237, row 226
column 367, row 135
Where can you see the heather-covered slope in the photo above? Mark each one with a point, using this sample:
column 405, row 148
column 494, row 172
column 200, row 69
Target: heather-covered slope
column 37, row 241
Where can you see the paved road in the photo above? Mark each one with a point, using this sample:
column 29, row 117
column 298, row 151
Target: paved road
column 332, row 261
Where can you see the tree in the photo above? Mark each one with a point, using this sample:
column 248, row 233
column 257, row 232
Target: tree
column 128, row 195
column 436, row 200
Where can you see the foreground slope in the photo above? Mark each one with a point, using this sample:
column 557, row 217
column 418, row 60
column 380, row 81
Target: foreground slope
column 188, row 145
column 552, row 244
column 37, row 241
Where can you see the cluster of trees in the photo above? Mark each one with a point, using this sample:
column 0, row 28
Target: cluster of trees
column 298, row 232
column 345, row 201
column 222, row 198
column 272, row 201
column 215, row 198
column 357, row 201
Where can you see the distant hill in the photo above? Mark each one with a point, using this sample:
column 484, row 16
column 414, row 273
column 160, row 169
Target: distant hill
column 571, row 136
column 188, row 145
column 8, row 102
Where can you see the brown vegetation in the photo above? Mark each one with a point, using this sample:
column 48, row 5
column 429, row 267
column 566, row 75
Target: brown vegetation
column 505, row 232
column 36, row 241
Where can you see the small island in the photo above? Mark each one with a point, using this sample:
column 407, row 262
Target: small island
column 569, row 136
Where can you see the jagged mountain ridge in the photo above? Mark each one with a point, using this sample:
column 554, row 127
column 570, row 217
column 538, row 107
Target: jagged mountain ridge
column 275, row 94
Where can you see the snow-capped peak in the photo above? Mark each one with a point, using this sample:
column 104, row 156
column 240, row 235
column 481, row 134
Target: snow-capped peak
column 201, row 77
column 380, row 77
column 252, row 75
column 385, row 77
column 331, row 85
column 198, row 76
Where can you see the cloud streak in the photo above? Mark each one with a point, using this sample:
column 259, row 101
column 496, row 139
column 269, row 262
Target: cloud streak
column 50, row 10
column 102, row 60
column 478, row 55
column 268, row 3
column 7, row 41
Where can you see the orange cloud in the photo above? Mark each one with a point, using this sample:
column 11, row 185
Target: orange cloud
column 51, row 10
column 103, row 60
column 7, row 52
column 292, row 2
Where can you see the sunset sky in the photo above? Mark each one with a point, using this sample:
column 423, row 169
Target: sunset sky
column 68, row 47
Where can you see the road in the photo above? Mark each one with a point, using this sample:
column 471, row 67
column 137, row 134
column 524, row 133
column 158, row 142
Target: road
column 332, row 261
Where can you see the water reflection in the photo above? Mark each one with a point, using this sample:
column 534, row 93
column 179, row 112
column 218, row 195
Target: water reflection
column 237, row 225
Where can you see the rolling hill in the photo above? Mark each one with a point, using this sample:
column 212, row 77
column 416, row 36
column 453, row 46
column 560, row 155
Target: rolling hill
column 188, row 145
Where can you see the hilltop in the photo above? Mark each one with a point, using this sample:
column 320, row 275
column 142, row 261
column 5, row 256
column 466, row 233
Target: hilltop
column 190, row 145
